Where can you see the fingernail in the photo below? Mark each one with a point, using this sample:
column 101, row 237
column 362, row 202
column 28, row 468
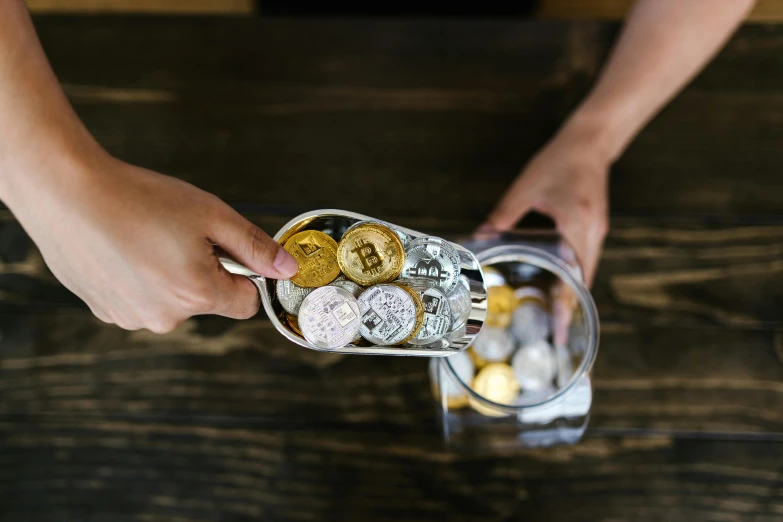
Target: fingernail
column 285, row 264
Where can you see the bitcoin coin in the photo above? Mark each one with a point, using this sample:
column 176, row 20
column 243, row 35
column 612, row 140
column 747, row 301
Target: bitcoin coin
column 530, row 322
column 437, row 317
column 460, row 303
column 444, row 382
column 535, row 366
column 293, row 323
column 316, row 254
column 496, row 383
column 290, row 295
column 370, row 254
column 344, row 282
column 388, row 315
column 419, row 311
column 500, row 305
column 329, row 317
column 435, row 259
column 493, row 344
column 404, row 238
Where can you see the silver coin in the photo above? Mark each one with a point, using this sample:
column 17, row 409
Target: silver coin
column 404, row 238
column 290, row 295
column 460, row 303
column 419, row 284
column 493, row 344
column 345, row 283
column 534, row 396
column 329, row 317
column 492, row 277
column 464, row 369
column 437, row 317
column 388, row 314
column 435, row 259
column 534, row 366
column 530, row 323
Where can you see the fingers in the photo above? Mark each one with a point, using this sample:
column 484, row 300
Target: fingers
column 508, row 212
column 237, row 297
column 252, row 247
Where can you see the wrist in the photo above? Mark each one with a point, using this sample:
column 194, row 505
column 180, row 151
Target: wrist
column 598, row 130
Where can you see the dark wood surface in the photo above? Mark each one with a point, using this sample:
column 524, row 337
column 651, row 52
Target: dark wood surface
column 222, row 420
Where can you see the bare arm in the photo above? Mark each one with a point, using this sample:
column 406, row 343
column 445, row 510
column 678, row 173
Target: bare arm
column 663, row 45
column 135, row 245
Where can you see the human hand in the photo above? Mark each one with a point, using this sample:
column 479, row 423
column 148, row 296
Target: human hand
column 567, row 180
column 137, row 246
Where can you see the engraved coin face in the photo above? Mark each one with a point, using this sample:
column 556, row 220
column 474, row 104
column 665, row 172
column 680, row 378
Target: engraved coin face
column 535, row 366
column 530, row 322
column 347, row 284
column 460, row 303
column 437, row 317
column 370, row 254
column 501, row 302
column 290, row 295
column 493, row 344
column 495, row 382
column 404, row 239
column 329, row 317
column 435, row 259
column 316, row 254
column 388, row 315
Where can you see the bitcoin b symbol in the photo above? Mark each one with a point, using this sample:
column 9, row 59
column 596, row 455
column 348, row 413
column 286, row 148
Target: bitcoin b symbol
column 369, row 256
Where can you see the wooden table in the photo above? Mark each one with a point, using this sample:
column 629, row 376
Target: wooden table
column 423, row 123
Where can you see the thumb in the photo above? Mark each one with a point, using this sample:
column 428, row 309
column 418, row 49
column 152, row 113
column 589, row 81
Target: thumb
column 508, row 212
column 237, row 297
column 253, row 247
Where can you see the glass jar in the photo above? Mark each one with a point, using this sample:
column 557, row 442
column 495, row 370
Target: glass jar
column 554, row 399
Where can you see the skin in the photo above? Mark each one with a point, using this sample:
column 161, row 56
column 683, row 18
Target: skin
column 137, row 246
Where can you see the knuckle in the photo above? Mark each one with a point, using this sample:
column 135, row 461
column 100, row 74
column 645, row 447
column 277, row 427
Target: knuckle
column 161, row 325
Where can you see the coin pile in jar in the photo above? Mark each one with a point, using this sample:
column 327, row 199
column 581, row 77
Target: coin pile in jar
column 376, row 284
column 513, row 360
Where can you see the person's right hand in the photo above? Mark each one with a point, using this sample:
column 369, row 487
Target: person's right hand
column 137, row 246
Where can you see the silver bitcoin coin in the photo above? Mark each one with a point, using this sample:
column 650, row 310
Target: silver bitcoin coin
column 437, row 317
column 388, row 315
column 493, row 344
column 435, row 259
column 329, row 317
column 416, row 283
column 530, row 322
column 464, row 369
column 290, row 295
column 343, row 282
column 460, row 303
column 404, row 238
column 535, row 366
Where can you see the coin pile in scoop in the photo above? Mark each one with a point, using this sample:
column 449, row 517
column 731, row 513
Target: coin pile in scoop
column 376, row 284
column 512, row 361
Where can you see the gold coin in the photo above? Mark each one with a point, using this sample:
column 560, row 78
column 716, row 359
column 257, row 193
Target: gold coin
column 316, row 254
column 501, row 302
column 419, row 305
column 495, row 382
column 293, row 323
column 371, row 254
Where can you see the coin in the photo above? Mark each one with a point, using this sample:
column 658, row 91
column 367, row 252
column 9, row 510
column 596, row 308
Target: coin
column 478, row 361
column 293, row 323
column 460, row 303
column 371, row 254
column 316, row 254
column 493, row 344
column 290, row 295
column 535, row 366
column 388, row 314
column 496, row 383
column 530, row 397
column 404, row 238
column 419, row 311
column 500, row 305
column 492, row 276
column 437, row 317
column 443, row 381
column 329, row 317
column 530, row 323
column 435, row 259
column 344, row 282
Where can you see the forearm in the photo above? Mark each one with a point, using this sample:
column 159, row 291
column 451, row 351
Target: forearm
column 663, row 45
column 38, row 124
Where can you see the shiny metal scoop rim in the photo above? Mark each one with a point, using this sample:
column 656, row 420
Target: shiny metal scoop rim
column 332, row 221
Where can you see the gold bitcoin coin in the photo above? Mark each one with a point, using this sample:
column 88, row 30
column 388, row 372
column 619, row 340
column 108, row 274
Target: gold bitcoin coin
column 316, row 254
column 495, row 382
column 371, row 254
column 293, row 323
column 501, row 302
column 419, row 311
